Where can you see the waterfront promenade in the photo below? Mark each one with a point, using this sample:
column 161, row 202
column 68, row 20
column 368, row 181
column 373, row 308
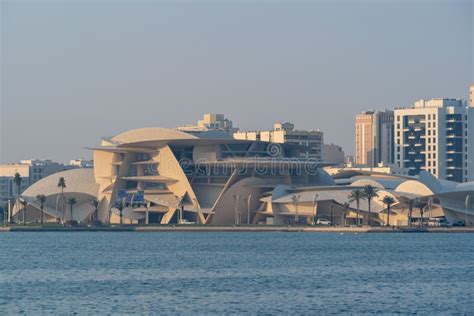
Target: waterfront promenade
column 250, row 228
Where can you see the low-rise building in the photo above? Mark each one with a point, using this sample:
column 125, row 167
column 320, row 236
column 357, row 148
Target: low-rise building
column 333, row 153
column 285, row 133
column 82, row 163
column 382, row 167
column 30, row 170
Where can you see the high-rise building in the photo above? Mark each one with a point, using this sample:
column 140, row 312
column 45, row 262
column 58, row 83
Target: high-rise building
column 374, row 138
column 471, row 95
column 285, row 133
column 434, row 135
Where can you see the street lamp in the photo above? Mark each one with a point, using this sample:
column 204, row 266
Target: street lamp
column 237, row 197
column 315, row 208
column 466, row 202
column 430, row 205
column 331, row 207
column 248, row 208
column 296, row 199
column 198, row 211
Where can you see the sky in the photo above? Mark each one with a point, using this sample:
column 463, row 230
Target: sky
column 73, row 72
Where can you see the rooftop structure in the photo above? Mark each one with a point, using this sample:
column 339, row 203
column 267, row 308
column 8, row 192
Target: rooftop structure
column 210, row 122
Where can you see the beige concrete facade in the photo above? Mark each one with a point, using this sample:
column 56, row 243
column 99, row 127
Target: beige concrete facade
column 165, row 176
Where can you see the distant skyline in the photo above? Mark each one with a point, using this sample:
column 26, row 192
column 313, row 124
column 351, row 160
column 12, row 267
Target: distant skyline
column 74, row 72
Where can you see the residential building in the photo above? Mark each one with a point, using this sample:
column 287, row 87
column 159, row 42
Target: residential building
column 285, row 133
column 333, row 153
column 31, row 171
column 471, row 95
column 210, row 122
column 374, row 138
column 434, row 135
column 82, row 163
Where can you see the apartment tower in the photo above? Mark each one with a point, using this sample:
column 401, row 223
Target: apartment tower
column 434, row 135
column 374, row 138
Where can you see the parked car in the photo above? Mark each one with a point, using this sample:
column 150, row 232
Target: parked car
column 459, row 224
column 323, row 222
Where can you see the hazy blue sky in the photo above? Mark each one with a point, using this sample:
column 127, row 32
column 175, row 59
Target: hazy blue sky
column 74, row 72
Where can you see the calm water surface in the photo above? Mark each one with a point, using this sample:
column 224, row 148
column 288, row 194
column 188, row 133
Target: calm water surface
column 224, row 273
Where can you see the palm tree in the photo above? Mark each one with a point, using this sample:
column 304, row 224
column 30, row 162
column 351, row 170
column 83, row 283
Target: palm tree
column 421, row 205
column 17, row 180
column 62, row 185
column 357, row 195
column 41, row 199
column 119, row 205
column 410, row 211
column 370, row 192
column 389, row 201
column 24, row 204
column 95, row 204
column 71, row 201
column 345, row 206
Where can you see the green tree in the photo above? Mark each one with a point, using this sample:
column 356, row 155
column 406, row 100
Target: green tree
column 388, row 201
column 41, row 199
column 370, row 192
column 71, row 201
column 357, row 195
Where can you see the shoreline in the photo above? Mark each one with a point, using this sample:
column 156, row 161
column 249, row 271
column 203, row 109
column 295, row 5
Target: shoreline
column 203, row 228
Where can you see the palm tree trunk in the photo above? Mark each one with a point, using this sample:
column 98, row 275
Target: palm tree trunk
column 421, row 215
column 410, row 213
column 62, row 208
column 388, row 215
column 370, row 206
column 42, row 215
column 357, row 215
